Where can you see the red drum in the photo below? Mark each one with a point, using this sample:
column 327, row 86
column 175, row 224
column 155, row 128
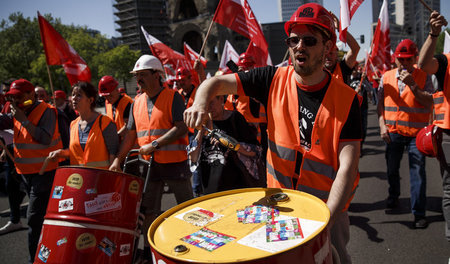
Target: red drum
column 91, row 217
column 256, row 225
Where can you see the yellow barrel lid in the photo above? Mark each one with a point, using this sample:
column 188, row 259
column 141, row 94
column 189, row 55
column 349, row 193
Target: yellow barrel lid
column 250, row 243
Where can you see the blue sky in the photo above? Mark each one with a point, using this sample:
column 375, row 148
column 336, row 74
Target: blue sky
column 98, row 14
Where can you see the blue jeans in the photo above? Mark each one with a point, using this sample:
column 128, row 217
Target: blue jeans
column 39, row 188
column 417, row 176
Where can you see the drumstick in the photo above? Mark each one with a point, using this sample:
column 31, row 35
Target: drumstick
column 6, row 150
column 44, row 166
column 426, row 6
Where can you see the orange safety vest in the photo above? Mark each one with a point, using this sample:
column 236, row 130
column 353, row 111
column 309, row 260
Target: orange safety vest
column 242, row 105
column 160, row 122
column 189, row 103
column 29, row 155
column 441, row 101
column 402, row 113
column 95, row 153
column 118, row 118
column 337, row 73
column 320, row 164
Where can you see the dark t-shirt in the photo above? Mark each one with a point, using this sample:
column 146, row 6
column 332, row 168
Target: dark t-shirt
column 256, row 83
column 346, row 72
column 126, row 112
column 440, row 74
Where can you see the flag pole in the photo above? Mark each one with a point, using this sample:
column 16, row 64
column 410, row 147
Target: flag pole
column 285, row 55
column 51, row 85
column 206, row 38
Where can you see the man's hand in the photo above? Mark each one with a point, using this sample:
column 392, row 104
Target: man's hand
column 406, row 78
column 384, row 133
column 146, row 149
column 115, row 166
column 195, row 116
column 18, row 113
column 437, row 21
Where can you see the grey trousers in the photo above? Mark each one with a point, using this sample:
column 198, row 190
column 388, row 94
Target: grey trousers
column 446, row 183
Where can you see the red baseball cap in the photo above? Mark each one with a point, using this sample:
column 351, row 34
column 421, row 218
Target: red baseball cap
column 60, row 94
column 313, row 14
column 406, row 49
column 19, row 87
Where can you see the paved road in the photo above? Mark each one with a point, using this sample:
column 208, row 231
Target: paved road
column 377, row 235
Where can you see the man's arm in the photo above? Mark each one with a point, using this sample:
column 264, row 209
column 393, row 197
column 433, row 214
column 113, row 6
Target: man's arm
column 380, row 111
column 352, row 54
column 177, row 131
column 197, row 114
column 127, row 144
column 422, row 96
column 348, row 155
column 426, row 60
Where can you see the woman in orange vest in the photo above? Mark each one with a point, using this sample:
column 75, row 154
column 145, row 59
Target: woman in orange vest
column 94, row 141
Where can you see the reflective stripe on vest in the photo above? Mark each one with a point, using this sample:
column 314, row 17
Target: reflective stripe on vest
column 158, row 124
column 319, row 165
column 95, row 153
column 403, row 114
column 442, row 101
column 29, row 154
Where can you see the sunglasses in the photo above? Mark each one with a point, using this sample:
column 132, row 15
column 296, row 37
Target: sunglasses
column 308, row 41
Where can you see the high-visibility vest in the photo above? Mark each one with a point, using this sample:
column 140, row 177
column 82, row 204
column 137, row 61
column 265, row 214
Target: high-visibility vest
column 403, row 114
column 337, row 73
column 189, row 103
column 441, row 101
column 29, row 155
column 120, row 109
column 160, row 122
column 95, row 153
column 242, row 105
column 320, row 164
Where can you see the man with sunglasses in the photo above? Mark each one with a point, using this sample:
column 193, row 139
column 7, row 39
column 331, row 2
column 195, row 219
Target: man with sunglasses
column 404, row 107
column 314, row 123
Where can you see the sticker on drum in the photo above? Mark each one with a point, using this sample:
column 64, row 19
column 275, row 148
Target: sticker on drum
column 107, row 246
column 134, row 187
column 199, row 216
column 65, row 205
column 57, row 192
column 75, row 181
column 125, row 250
column 44, row 253
column 61, row 241
column 85, row 241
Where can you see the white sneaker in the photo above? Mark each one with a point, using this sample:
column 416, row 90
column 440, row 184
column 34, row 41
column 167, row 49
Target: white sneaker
column 9, row 227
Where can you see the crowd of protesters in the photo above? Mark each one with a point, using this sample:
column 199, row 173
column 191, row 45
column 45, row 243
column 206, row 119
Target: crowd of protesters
column 175, row 124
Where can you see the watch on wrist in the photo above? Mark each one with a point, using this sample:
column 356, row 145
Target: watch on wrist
column 155, row 144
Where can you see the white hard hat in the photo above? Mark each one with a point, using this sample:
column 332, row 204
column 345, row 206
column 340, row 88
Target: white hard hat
column 147, row 62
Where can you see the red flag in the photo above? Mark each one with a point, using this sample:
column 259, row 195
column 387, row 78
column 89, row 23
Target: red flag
column 171, row 59
column 192, row 56
column 380, row 56
column 348, row 9
column 238, row 16
column 59, row 52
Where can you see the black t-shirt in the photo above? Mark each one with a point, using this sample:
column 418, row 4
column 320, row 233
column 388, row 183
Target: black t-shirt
column 346, row 72
column 256, row 83
column 440, row 74
column 126, row 111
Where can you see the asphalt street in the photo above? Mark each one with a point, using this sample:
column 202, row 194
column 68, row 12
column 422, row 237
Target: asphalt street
column 378, row 235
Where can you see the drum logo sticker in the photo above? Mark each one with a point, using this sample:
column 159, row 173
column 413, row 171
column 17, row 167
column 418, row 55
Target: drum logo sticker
column 85, row 241
column 103, row 203
column 124, row 250
column 134, row 187
column 107, row 246
column 75, row 181
column 44, row 253
column 91, row 191
column 61, row 241
column 208, row 239
column 57, row 192
column 65, row 205
column 199, row 216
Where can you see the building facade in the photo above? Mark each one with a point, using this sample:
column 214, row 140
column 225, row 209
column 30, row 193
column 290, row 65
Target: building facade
column 287, row 7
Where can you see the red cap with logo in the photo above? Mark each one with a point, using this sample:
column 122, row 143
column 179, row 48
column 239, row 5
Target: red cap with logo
column 60, row 94
column 106, row 85
column 182, row 73
column 313, row 14
column 406, row 49
column 19, row 87
column 246, row 60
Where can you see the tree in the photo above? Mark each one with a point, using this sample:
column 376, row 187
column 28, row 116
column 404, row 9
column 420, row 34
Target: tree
column 117, row 62
column 440, row 42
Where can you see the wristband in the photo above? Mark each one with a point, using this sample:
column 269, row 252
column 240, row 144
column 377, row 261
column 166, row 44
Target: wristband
column 433, row 35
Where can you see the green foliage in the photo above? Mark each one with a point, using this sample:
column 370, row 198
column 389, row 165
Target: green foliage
column 22, row 54
column 440, row 42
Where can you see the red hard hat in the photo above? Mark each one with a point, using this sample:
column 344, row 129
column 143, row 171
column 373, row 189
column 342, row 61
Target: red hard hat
column 106, row 85
column 60, row 94
column 313, row 14
column 20, row 86
column 246, row 60
column 122, row 90
column 406, row 49
column 182, row 73
column 426, row 140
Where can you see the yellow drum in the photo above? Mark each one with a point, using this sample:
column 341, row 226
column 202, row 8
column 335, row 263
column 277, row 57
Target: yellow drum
column 253, row 225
